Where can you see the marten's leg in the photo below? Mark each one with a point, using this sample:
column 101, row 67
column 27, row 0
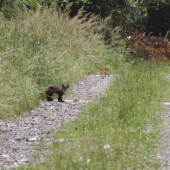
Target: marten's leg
column 48, row 96
column 60, row 98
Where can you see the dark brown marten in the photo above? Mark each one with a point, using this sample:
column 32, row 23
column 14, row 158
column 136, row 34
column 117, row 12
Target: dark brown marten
column 51, row 89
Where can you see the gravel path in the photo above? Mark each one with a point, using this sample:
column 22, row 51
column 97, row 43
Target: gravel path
column 165, row 151
column 21, row 139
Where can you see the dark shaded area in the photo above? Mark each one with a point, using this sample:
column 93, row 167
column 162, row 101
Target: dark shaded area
column 102, row 7
column 158, row 19
column 99, row 7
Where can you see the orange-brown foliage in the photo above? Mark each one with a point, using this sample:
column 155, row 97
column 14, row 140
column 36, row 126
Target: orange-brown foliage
column 148, row 46
column 104, row 71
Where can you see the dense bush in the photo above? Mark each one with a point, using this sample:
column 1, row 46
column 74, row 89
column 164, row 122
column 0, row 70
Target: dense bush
column 102, row 7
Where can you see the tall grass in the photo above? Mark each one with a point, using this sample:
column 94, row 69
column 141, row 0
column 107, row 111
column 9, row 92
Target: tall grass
column 41, row 48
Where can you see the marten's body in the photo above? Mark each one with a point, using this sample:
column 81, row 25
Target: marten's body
column 51, row 89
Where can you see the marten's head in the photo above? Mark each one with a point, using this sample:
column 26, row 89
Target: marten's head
column 65, row 87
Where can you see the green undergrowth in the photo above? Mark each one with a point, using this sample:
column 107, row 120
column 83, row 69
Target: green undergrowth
column 120, row 130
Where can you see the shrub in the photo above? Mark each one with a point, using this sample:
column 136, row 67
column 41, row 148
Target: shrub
column 148, row 47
